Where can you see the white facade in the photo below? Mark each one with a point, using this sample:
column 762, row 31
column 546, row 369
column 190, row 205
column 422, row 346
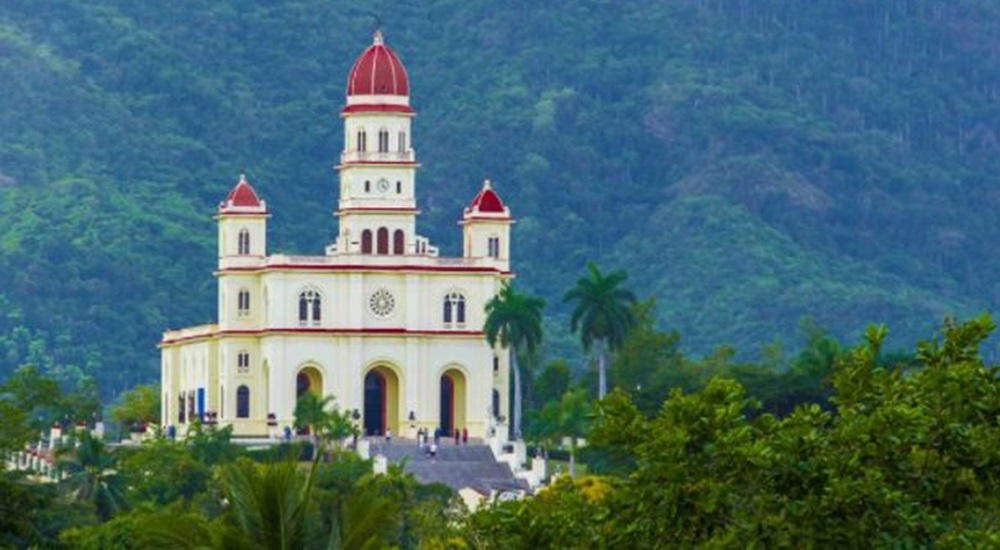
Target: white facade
column 380, row 321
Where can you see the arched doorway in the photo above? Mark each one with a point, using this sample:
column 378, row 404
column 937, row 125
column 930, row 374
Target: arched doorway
column 453, row 403
column 381, row 401
column 310, row 380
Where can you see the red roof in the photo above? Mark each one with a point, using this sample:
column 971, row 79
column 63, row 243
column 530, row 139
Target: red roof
column 377, row 108
column 242, row 196
column 378, row 71
column 486, row 202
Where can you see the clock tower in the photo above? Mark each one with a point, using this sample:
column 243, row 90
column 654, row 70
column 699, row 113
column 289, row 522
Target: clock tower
column 377, row 207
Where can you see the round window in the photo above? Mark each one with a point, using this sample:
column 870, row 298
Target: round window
column 381, row 303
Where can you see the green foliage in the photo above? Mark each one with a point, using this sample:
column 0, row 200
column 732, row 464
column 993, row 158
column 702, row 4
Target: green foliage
column 573, row 513
column 553, row 381
column 323, row 418
column 161, row 472
column 138, row 406
column 906, row 457
column 20, row 507
column 514, row 320
column 567, row 418
column 774, row 161
column 91, row 475
column 601, row 309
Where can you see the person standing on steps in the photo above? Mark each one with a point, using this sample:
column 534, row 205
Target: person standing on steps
column 465, row 436
column 458, row 436
column 388, row 436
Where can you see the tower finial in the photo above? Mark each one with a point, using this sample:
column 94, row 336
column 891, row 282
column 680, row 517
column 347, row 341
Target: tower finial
column 377, row 38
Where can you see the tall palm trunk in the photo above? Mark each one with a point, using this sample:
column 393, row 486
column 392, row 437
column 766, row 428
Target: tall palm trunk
column 602, row 367
column 517, row 394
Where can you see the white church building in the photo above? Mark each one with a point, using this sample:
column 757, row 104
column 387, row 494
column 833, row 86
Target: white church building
column 380, row 321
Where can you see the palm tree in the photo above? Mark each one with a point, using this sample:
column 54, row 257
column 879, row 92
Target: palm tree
column 567, row 418
column 602, row 314
column 323, row 418
column 515, row 321
column 91, row 476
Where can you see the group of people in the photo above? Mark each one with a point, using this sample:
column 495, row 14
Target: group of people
column 431, row 446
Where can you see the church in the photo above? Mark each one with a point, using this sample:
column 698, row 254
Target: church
column 380, row 320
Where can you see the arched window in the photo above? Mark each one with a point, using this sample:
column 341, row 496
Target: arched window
column 398, row 241
column 310, row 307
column 383, row 240
column 243, row 244
column 383, row 141
column 181, row 408
column 243, row 402
column 493, row 245
column 454, row 309
column 362, row 139
column 243, row 303
column 243, row 362
column 402, row 142
column 366, row 241
column 399, row 187
column 368, row 186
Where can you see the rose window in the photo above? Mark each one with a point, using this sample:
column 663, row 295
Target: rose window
column 381, row 303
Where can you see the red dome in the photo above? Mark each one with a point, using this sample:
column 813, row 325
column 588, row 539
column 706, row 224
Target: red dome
column 487, row 202
column 378, row 71
column 242, row 197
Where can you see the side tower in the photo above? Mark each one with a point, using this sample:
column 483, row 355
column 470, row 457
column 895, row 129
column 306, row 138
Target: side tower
column 486, row 229
column 242, row 220
column 377, row 208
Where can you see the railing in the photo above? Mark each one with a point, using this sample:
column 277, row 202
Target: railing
column 376, row 260
column 377, row 156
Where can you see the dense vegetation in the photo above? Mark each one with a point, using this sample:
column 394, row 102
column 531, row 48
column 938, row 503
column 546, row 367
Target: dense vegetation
column 750, row 163
column 886, row 452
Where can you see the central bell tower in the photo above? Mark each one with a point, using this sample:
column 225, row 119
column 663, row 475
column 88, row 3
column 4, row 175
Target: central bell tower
column 377, row 207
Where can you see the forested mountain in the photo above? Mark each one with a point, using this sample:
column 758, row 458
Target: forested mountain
column 749, row 163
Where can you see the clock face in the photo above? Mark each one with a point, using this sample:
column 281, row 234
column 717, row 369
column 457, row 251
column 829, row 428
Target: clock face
column 382, row 185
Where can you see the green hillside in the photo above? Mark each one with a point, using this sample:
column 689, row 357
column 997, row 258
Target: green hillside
column 749, row 163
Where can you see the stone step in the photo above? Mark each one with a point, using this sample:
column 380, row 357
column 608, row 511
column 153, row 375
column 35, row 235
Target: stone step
column 457, row 466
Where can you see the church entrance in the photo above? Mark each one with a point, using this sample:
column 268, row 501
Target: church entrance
column 381, row 408
column 309, row 380
column 452, row 404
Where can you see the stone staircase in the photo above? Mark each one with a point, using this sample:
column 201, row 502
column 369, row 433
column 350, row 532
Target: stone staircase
column 457, row 466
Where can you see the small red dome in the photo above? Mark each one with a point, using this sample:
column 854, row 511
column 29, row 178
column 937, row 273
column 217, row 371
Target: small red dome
column 487, row 202
column 242, row 197
column 378, row 71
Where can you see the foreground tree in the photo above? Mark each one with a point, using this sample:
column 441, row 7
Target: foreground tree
column 91, row 475
column 138, row 407
column 602, row 315
column 323, row 419
column 907, row 457
column 514, row 320
column 568, row 418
